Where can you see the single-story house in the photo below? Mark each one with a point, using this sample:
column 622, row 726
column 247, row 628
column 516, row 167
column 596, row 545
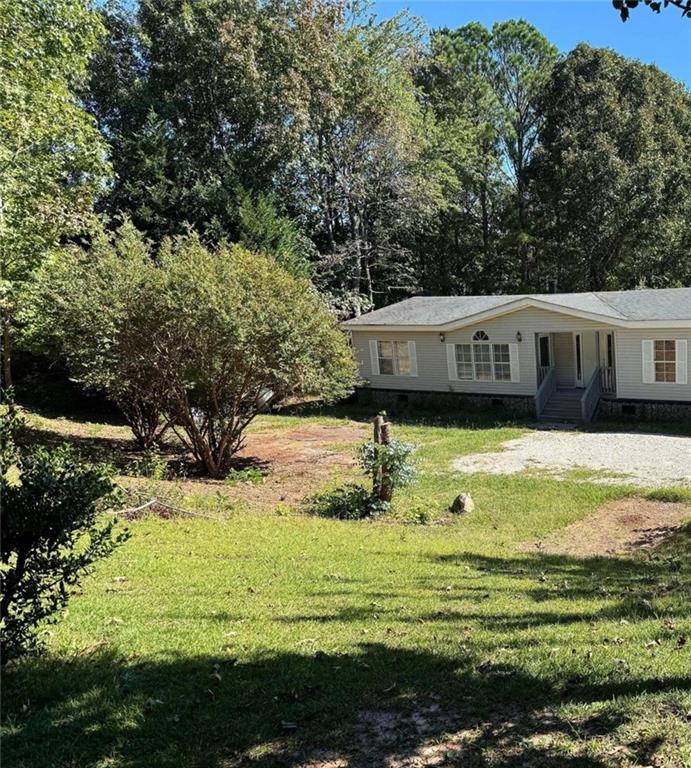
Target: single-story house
column 557, row 356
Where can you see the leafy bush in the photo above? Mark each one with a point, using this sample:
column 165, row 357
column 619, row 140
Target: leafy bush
column 150, row 464
column 199, row 339
column 102, row 311
column 52, row 532
column 242, row 333
column 347, row 502
column 389, row 466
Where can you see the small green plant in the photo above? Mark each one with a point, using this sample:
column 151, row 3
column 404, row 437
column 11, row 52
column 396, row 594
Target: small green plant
column 347, row 502
column 251, row 475
column 421, row 516
column 149, row 464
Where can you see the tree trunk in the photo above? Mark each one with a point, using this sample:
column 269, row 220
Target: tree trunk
column 386, row 492
column 355, row 237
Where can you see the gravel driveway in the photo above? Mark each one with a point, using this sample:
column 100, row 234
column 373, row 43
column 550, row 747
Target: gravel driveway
column 641, row 459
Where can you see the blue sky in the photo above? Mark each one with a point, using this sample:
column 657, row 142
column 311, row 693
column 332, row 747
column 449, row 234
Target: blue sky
column 664, row 39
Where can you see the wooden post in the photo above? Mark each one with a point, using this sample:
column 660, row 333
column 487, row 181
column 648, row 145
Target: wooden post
column 381, row 487
column 378, row 421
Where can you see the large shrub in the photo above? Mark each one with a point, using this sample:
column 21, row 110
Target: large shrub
column 53, row 529
column 203, row 339
column 102, row 310
column 241, row 333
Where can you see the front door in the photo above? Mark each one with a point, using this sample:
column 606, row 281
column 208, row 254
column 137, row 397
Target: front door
column 563, row 359
column 578, row 359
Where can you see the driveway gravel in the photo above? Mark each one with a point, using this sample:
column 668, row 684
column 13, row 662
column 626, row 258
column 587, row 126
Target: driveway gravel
column 613, row 457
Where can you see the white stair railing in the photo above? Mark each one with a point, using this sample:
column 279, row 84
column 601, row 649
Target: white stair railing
column 591, row 397
column 545, row 390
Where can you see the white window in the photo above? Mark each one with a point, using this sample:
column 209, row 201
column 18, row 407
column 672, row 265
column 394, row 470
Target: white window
column 480, row 336
column 484, row 362
column 665, row 360
column 502, row 362
column 393, row 358
column 464, row 361
column 482, row 356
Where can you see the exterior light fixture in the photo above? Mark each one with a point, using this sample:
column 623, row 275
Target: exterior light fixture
column 519, row 337
column 442, row 338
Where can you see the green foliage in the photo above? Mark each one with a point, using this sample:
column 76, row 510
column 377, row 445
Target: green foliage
column 264, row 230
column 11, row 425
column 389, row 460
column 387, row 464
column 52, row 531
column 612, row 207
column 250, row 103
column 149, row 464
column 483, row 87
column 102, row 309
column 624, row 7
column 251, row 475
column 52, row 158
column 203, row 339
column 347, row 502
column 241, row 333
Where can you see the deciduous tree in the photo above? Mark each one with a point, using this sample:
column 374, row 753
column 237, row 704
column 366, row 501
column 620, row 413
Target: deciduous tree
column 611, row 180
column 52, row 158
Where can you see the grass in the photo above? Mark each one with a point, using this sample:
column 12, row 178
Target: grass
column 269, row 639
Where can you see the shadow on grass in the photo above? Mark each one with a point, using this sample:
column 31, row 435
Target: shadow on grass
column 67, row 400
column 118, row 452
column 409, row 415
column 478, row 418
column 376, row 705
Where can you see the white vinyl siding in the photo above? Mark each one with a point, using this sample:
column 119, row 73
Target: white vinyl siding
column 436, row 361
column 634, row 350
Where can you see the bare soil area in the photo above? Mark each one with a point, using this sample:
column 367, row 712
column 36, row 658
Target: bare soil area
column 299, row 461
column 295, row 464
column 619, row 527
column 295, row 461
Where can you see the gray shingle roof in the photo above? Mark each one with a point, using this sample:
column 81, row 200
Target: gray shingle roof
column 641, row 305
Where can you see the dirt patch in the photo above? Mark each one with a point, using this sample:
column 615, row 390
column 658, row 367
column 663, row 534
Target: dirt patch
column 618, row 527
column 295, row 463
column 422, row 738
column 298, row 461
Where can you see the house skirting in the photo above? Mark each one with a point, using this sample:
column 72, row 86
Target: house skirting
column 646, row 410
column 523, row 405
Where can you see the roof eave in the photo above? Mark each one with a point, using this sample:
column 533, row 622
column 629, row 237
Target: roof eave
column 514, row 306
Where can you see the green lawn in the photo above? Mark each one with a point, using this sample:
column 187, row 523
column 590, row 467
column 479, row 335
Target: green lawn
column 270, row 639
